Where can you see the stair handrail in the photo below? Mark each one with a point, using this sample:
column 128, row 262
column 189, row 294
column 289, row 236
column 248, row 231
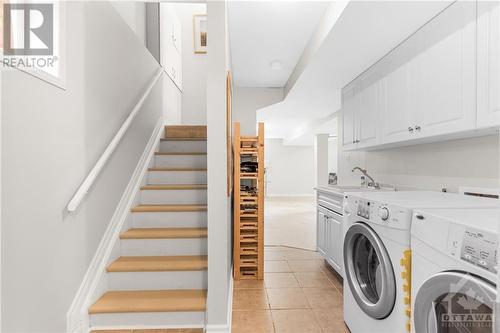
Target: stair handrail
column 101, row 162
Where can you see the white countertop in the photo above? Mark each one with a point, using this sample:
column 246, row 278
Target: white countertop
column 340, row 190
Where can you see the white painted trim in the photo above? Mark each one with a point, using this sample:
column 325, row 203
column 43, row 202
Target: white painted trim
column 225, row 328
column 77, row 318
column 92, row 176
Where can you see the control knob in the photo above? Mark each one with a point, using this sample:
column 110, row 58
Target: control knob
column 383, row 212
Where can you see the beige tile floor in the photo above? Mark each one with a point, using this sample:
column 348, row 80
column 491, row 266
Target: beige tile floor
column 299, row 294
column 290, row 221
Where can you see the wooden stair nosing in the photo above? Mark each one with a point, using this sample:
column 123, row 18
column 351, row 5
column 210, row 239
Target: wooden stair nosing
column 137, row 301
column 164, row 233
column 173, row 187
column 168, row 208
column 158, row 264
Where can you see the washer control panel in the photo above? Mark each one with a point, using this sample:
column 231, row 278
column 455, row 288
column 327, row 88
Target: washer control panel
column 363, row 209
column 479, row 248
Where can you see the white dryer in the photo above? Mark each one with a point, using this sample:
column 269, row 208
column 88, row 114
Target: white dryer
column 455, row 270
column 377, row 257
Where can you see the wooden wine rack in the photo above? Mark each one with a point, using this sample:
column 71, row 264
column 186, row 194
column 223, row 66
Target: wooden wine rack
column 248, row 206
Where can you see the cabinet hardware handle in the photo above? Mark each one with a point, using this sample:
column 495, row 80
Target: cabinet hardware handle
column 410, row 129
column 417, row 128
column 420, row 217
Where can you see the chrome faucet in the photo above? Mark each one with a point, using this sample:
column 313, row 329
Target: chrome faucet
column 372, row 182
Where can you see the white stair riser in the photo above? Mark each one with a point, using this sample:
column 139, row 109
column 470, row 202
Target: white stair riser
column 181, row 161
column 177, row 177
column 164, row 247
column 183, row 146
column 157, row 280
column 148, row 320
column 169, row 219
column 174, row 197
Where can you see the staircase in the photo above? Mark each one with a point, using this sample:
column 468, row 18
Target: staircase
column 159, row 278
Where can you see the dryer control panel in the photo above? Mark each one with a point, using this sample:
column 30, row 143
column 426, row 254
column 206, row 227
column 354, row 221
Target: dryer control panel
column 479, row 248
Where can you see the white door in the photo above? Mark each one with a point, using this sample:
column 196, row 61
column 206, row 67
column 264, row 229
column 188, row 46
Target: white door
column 396, row 109
column 488, row 64
column 445, row 73
column 321, row 232
column 367, row 116
column 348, row 128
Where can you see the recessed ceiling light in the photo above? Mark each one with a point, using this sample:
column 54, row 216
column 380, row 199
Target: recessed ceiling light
column 276, row 65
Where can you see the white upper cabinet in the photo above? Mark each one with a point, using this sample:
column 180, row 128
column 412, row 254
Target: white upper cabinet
column 425, row 89
column 396, row 110
column 444, row 70
column 366, row 116
column 488, row 64
column 348, row 128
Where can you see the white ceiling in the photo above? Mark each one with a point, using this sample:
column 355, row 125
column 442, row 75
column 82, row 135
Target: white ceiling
column 364, row 33
column 261, row 32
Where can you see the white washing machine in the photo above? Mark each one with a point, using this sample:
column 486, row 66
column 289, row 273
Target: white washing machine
column 455, row 270
column 377, row 257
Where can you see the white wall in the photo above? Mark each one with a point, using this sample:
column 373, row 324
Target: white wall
column 448, row 164
column 332, row 154
column 246, row 101
column 172, row 102
column 51, row 138
column 219, row 204
column 289, row 169
column 194, row 68
column 470, row 162
column 134, row 14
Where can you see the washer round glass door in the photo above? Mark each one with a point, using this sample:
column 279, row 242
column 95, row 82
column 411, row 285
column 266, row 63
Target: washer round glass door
column 455, row 302
column 369, row 272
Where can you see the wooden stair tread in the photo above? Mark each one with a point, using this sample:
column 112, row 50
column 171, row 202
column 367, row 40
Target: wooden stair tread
column 150, row 301
column 177, row 169
column 184, row 153
column 174, row 187
column 185, row 131
column 158, row 264
column 168, row 208
column 164, row 233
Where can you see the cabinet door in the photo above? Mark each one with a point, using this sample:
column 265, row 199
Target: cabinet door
column 396, row 109
column 366, row 116
column 488, row 64
column 321, row 232
column 445, row 72
column 348, row 128
column 335, row 241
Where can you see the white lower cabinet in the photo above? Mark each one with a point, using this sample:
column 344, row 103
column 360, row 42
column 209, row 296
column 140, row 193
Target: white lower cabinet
column 334, row 241
column 488, row 64
column 329, row 241
column 321, row 231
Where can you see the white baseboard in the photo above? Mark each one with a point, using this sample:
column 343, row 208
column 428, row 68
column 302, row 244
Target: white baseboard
column 77, row 318
column 225, row 328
